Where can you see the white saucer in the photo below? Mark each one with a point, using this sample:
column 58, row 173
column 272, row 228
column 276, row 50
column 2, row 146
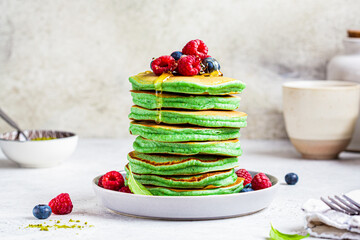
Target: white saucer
column 187, row 207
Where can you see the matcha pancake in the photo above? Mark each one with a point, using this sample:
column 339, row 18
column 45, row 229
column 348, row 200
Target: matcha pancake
column 225, row 148
column 181, row 133
column 198, row 84
column 178, row 165
column 210, row 190
column 149, row 100
column 215, row 179
column 201, row 118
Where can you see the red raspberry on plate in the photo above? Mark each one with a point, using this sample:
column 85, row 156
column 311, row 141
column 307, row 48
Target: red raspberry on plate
column 61, row 204
column 196, row 48
column 100, row 181
column 113, row 180
column 125, row 190
column 163, row 64
column 189, row 66
column 260, row 181
column 244, row 174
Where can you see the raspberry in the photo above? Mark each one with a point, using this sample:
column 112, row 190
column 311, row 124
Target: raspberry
column 189, row 65
column 100, row 181
column 196, row 48
column 260, row 181
column 125, row 190
column 61, row 204
column 163, row 64
column 244, row 174
column 113, row 180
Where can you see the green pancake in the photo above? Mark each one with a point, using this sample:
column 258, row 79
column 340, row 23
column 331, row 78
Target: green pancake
column 225, row 148
column 216, row 179
column 178, row 165
column 198, row 84
column 181, row 133
column 163, row 191
column 201, row 118
column 149, row 100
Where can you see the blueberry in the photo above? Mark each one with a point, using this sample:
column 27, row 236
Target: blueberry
column 291, row 178
column 248, row 185
column 42, row 211
column 211, row 65
column 176, row 55
column 247, row 190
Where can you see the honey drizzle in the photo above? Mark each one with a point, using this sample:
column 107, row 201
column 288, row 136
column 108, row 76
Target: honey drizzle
column 158, row 84
column 216, row 73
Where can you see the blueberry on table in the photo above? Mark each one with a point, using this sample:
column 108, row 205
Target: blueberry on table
column 247, row 190
column 42, row 211
column 176, row 55
column 291, row 178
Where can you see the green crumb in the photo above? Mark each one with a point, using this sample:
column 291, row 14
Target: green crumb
column 40, row 226
column 43, row 227
column 60, row 226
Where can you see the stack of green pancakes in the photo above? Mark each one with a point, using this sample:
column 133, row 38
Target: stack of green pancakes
column 187, row 130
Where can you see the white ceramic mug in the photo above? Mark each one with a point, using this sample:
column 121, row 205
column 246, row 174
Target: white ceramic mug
column 320, row 116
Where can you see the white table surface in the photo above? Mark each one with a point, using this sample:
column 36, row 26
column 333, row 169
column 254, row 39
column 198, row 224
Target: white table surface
column 22, row 189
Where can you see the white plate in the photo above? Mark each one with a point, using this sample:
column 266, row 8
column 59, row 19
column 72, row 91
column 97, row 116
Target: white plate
column 187, row 207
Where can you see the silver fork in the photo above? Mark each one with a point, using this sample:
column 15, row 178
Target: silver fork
column 343, row 204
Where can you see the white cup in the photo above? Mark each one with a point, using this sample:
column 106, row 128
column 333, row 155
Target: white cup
column 320, row 116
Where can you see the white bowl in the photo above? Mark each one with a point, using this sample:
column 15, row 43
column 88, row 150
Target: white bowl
column 38, row 154
column 187, row 207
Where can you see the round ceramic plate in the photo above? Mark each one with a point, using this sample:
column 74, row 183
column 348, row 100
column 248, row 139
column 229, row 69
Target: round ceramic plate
column 187, row 207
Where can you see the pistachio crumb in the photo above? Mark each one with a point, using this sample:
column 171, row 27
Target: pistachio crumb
column 44, row 227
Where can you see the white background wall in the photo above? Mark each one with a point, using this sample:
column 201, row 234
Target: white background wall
column 65, row 64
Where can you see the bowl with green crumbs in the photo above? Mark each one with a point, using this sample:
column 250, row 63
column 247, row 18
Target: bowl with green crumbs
column 45, row 148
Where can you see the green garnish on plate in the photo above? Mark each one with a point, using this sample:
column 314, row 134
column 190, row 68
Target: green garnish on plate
column 136, row 187
column 277, row 235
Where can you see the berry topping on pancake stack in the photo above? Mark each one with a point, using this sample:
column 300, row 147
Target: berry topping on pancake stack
column 192, row 60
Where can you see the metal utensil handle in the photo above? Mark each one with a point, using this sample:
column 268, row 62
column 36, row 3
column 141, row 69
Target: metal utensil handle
column 7, row 119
